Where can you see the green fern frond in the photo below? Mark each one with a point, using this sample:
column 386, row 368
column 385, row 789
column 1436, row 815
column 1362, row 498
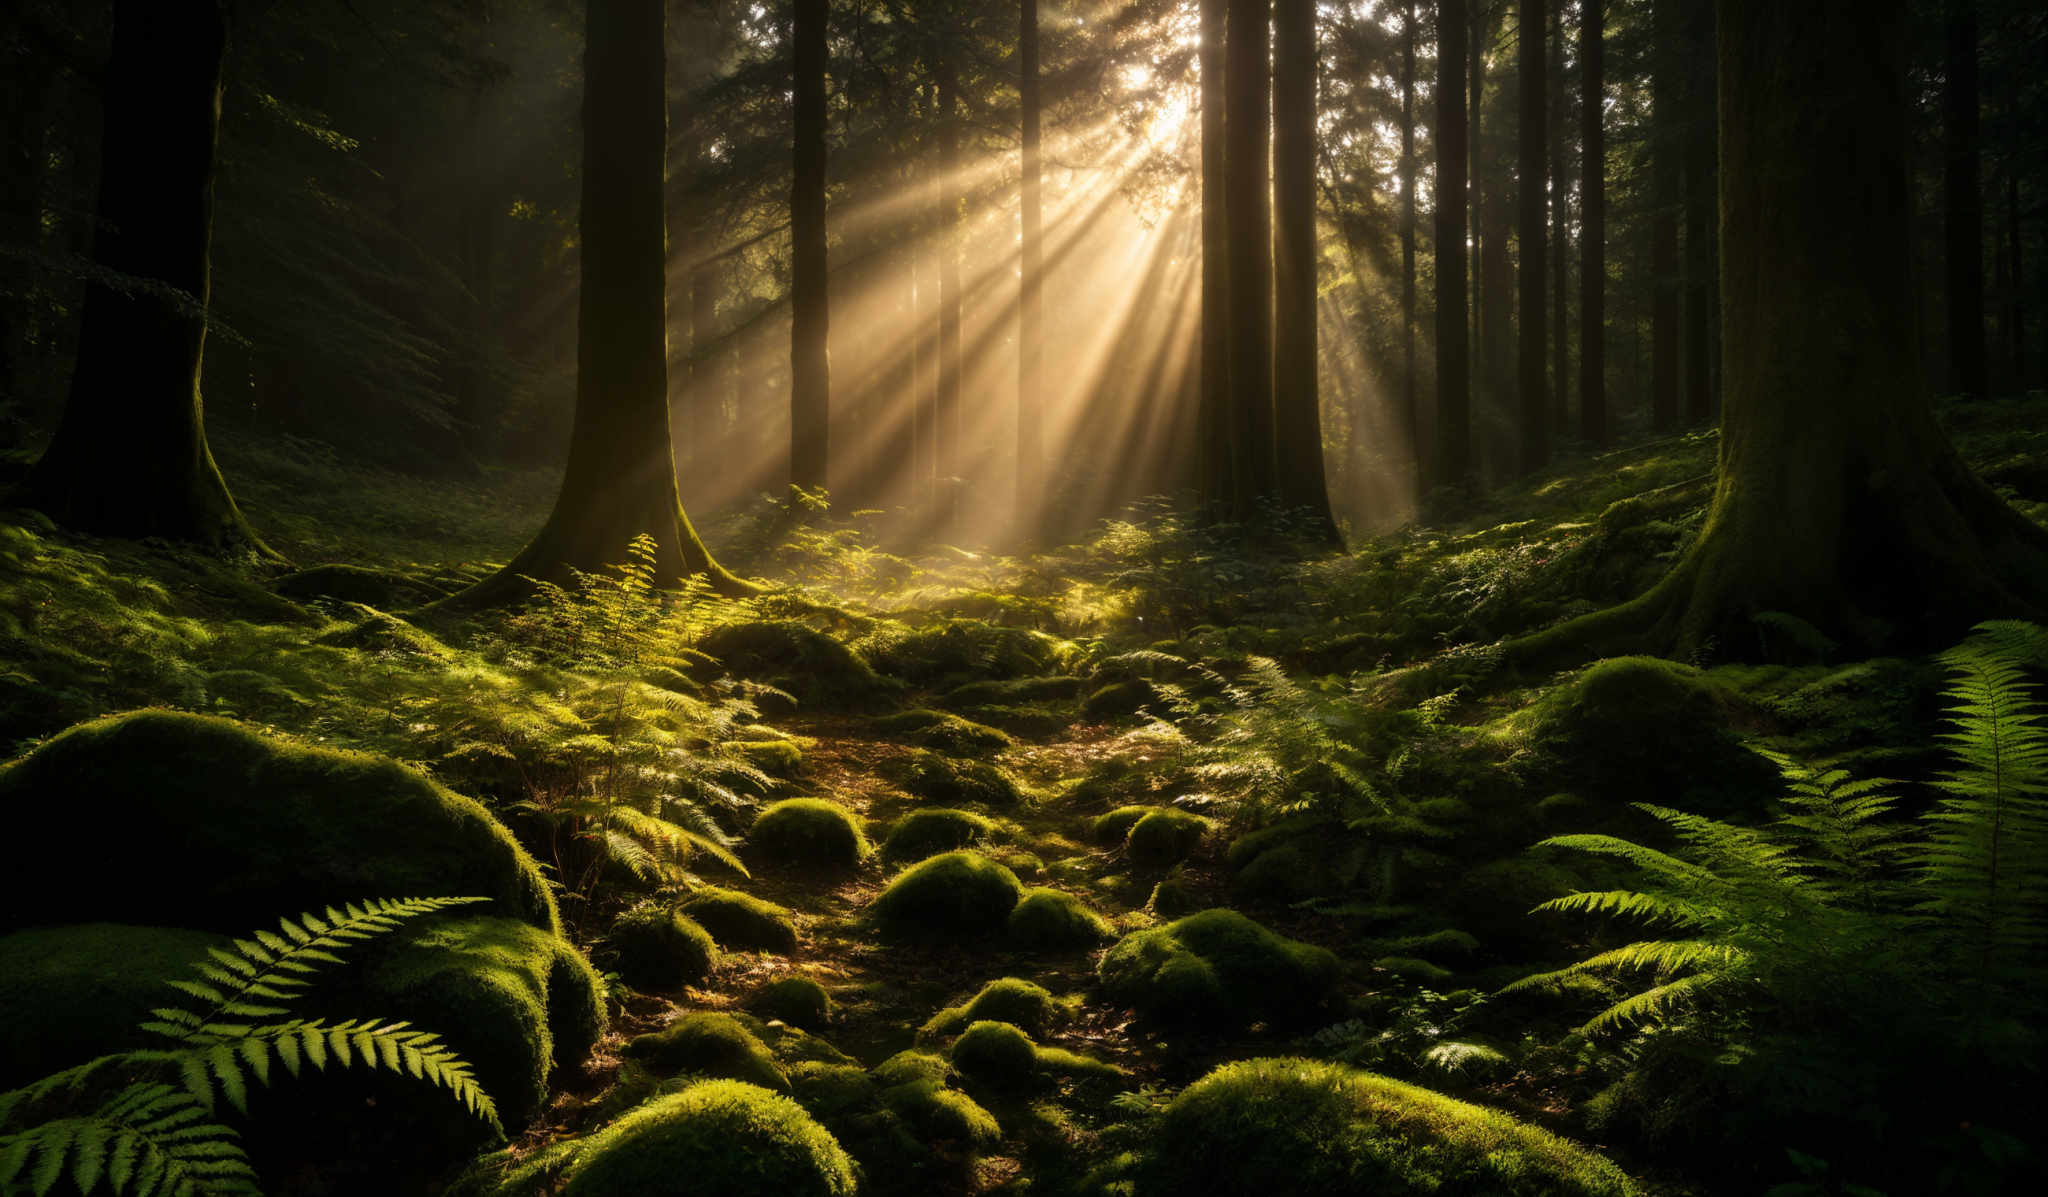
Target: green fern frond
column 1656, row 1004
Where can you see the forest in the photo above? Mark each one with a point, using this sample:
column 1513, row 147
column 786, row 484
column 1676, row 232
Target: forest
column 1062, row 598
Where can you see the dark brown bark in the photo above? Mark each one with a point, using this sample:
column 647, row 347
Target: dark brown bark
column 130, row 456
column 1533, row 385
column 1666, row 176
column 1593, row 224
column 1453, row 448
column 1030, row 281
column 1212, row 412
column 946, row 408
column 810, row 305
column 1963, row 222
column 1297, row 417
column 1560, row 234
column 2015, row 284
column 1702, row 261
column 1248, row 203
column 1410, row 414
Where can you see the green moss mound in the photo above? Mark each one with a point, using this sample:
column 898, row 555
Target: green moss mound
column 996, row 1054
column 715, row 1139
column 381, row 588
column 654, row 948
column 68, row 994
column 957, row 895
column 226, row 828
column 949, row 782
column 936, row 1113
column 776, row 758
column 809, row 831
column 1165, row 837
column 1174, row 898
column 945, row 732
column 1111, row 828
column 795, row 658
column 1120, row 700
column 910, row 1067
column 741, row 921
column 798, row 1001
column 1217, row 968
column 1051, row 920
column 932, row 830
column 711, row 1042
column 1302, row 1126
column 954, row 648
column 1013, row 692
column 1009, row 999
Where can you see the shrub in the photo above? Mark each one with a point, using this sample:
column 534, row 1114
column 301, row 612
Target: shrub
column 809, row 831
column 795, row 658
column 950, row 782
column 741, row 921
column 1165, row 837
column 1217, row 968
column 798, row 1001
column 1114, row 826
column 711, row 1042
column 996, row 1054
column 1303, row 1126
column 958, row 894
column 714, row 1139
column 1052, row 920
column 933, row 830
column 942, row 731
column 1009, row 999
column 655, row 948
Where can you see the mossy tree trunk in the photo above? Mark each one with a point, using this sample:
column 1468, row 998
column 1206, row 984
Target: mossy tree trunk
column 1533, row 381
column 1839, row 500
column 810, row 368
column 1030, row 280
column 1249, row 205
column 621, row 476
column 130, row 456
column 1297, row 415
column 1593, row 223
column 1452, row 450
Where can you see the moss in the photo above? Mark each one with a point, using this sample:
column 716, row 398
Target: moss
column 1174, row 898
column 1302, row 1126
column 373, row 631
column 831, row 1090
column 1249, row 847
column 795, row 658
column 996, row 1054
column 1289, row 872
column 1051, row 920
column 942, row 731
column 809, row 831
column 715, row 1139
column 958, row 894
column 776, row 758
column 1120, row 700
column 711, row 1042
column 381, row 588
column 933, row 830
column 1217, row 968
column 954, row 648
column 1026, row 865
column 934, row 1112
column 910, row 1067
column 798, row 1001
column 951, row 782
column 992, row 692
column 656, row 949
column 261, row 826
column 1111, row 828
column 1009, row 999
column 1165, row 837
column 68, row 994
column 793, row 1044
column 741, row 921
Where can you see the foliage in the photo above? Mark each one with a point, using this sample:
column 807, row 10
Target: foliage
column 655, row 948
column 713, row 1043
column 1012, row 1000
column 737, row 920
column 1165, row 837
column 958, row 894
column 798, row 1001
column 1052, row 920
column 1217, row 968
column 931, row 830
column 950, row 782
column 728, row 1138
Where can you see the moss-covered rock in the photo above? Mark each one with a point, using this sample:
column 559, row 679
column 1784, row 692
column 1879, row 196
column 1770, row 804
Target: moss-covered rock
column 936, row 1113
column 798, row 1001
column 226, row 828
column 740, row 921
column 777, row 758
column 944, row 732
column 809, row 831
column 995, row 1054
column 950, row 782
column 1012, row 692
column 932, row 830
column 711, row 1042
column 1174, row 898
column 958, row 894
column 714, row 1139
column 796, row 658
column 956, row 648
column 1165, row 837
column 1051, row 920
column 68, row 994
column 1303, row 1126
column 1008, row 999
column 1111, row 828
column 911, row 1067
column 1120, row 700
column 654, row 948
column 1217, row 968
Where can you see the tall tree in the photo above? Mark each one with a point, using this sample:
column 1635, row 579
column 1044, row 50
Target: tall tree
column 1030, row 280
column 810, row 364
column 620, row 481
column 1297, row 418
column 1840, row 501
column 130, row 456
column 1963, row 222
column 1534, row 165
column 1453, row 456
column 1248, row 202
column 1593, row 223
column 1560, row 235
column 1665, row 179
column 1410, row 415
column 946, row 407
column 1702, row 260
column 1213, row 421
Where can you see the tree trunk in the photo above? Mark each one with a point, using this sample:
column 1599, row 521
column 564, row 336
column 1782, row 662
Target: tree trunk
column 1534, row 165
column 1453, row 448
column 1297, row 417
column 1665, row 176
column 130, row 456
column 1964, row 222
column 1593, row 225
column 1030, row 283
column 2015, row 301
column 1248, row 203
column 1702, row 282
column 1411, row 417
column 810, row 304
column 1560, row 233
column 1840, row 501
column 946, row 416
column 621, row 479
column 1212, row 412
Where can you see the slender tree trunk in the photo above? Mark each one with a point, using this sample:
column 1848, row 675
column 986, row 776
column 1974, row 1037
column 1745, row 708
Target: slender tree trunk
column 810, row 305
column 1477, row 22
column 1961, row 188
column 1665, row 177
column 1453, row 449
column 2015, row 305
column 1248, row 202
column 1593, row 224
column 1213, row 412
column 621, row 479
column 1560, row 233
column 1534, row 213
column 1410, row 413
column 1030, row 283
column 946, row 416
column 1297, row 417
column 1702, row 274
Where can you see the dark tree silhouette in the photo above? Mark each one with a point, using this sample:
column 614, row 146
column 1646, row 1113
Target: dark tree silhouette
column 1702, row 260
column 1212, row 408
column 1593, row 224
column 810, row 364
column 1963, row 201
column 1030, row 279
column 1411, row 420
column 1666, row 178
column 1533, row 212
column 1248, row 202
column 1297, row 418
column 1453, row 448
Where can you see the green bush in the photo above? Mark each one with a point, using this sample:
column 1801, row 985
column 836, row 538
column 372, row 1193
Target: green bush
column 741, row 921
column 996, row 1054
column 949, row 782
column 795, row 658
column 711, row 1042
column 1010, row 999
column 1217, row 968
column 959, row 894
column 714, row 1139
column 798, row 1001
column 1051, row 920
column 933, row 830
column 1111, row 828
column 655, row 949
column 1165, row 837
column 809, row 831
column 945, row 732
column 223, row 826
column 1302, row 1126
